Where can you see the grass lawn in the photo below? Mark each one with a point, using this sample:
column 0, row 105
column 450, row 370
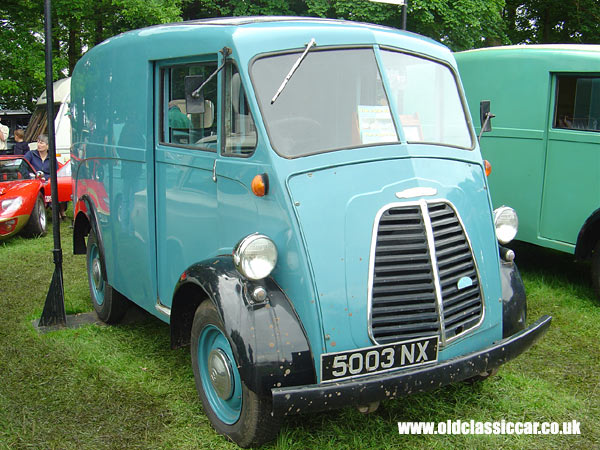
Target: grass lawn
column 121, row 387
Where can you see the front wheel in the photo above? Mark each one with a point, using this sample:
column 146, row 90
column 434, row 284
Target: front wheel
column 234, row 410
column 36, row 226
column 109, row 304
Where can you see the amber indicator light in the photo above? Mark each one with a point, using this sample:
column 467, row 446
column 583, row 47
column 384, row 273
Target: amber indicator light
column 260, row 185
column 488, row 167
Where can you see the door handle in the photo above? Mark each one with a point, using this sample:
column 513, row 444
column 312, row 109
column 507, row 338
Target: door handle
column 214, row 175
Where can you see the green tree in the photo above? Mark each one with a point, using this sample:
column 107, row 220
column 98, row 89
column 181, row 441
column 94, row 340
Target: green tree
column 553, row 21
column 76, row 26
column 461, row 24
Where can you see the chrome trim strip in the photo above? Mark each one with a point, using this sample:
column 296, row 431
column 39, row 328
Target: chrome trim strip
column 434, row 269
column 162, row 308
column 417, row 192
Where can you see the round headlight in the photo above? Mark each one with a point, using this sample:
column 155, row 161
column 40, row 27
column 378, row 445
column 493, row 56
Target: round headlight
column 507, row 224
column 255, row 256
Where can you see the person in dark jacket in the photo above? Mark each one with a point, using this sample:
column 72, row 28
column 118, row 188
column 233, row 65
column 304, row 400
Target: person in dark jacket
column 40, row 161
column 21, row 147
column 39, row 158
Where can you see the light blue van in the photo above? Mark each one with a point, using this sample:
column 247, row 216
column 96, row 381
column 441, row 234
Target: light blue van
column 301, row 200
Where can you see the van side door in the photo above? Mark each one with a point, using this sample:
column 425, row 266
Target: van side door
column 185, row 158
column 571, row 190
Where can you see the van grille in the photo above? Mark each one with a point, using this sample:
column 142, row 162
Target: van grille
column 418, row 290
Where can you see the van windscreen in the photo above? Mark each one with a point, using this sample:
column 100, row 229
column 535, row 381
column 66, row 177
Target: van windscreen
column 335, row 99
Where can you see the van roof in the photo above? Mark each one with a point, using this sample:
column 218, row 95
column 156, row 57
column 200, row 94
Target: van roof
column 247, row 20
column 255, row 34
column 539, row 47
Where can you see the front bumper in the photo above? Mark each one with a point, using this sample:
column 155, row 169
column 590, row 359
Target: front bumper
column 362, row 391
column 21, row 222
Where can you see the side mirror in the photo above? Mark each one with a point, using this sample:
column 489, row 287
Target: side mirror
column 194, row 98
column 485, row 116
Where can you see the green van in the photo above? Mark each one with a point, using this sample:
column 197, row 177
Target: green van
column 545, row 143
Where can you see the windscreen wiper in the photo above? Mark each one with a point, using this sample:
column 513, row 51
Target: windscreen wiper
column 293, row 69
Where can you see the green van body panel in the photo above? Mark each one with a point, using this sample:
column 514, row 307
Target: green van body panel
column 548, row 174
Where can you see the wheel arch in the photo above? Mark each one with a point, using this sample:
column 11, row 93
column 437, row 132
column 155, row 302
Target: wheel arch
column 86, row 219
column 267, row 338
column 588, row 236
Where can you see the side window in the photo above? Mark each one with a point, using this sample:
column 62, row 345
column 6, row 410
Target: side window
column 240, row 131
column 187, row 128
column 577, row 103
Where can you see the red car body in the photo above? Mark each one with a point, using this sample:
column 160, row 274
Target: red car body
column 23, row 196
column 65, row 188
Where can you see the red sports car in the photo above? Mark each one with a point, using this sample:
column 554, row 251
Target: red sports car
column 21, row 199
column 24, row 194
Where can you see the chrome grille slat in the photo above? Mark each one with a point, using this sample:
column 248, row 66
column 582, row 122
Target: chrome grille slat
column 404, row 301
column 405, row 297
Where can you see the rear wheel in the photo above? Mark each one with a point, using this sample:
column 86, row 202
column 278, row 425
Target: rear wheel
column 234, row 410
column 36, row 226
column 109, row 304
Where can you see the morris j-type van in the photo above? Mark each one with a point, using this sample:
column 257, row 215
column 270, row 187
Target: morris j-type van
column 301, row 200
column 545, row 140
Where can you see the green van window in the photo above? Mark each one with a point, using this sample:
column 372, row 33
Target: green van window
column 577, row 103
column 197, row 130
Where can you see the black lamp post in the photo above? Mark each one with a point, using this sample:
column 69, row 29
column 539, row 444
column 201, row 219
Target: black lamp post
column 403, row 3
column 54, row 308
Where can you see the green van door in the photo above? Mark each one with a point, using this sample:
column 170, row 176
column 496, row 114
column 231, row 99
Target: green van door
column 571, row 190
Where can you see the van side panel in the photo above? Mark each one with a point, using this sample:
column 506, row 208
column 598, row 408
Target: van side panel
column 549, row 175
column 111, row 116
column 516, row 145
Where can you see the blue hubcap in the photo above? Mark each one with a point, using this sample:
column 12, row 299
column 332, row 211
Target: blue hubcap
column 95, row 274
column 219, row 375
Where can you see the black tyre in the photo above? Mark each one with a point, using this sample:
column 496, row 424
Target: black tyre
column 109, row 304
column 596, row 270
column 233, row 409
column 37, row 225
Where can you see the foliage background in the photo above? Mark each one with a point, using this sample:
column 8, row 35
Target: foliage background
column 80, row 24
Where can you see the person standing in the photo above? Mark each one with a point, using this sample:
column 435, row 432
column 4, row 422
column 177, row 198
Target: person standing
column 21, row 147
column 3, row 135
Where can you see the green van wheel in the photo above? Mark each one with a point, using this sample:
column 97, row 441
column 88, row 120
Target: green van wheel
column 596, row 270
column 233, row 409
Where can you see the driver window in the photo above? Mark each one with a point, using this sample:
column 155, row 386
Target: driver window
column 179, row 126
column 240, row 131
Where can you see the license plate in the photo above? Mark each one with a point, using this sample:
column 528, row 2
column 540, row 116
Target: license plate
column 366, row 361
